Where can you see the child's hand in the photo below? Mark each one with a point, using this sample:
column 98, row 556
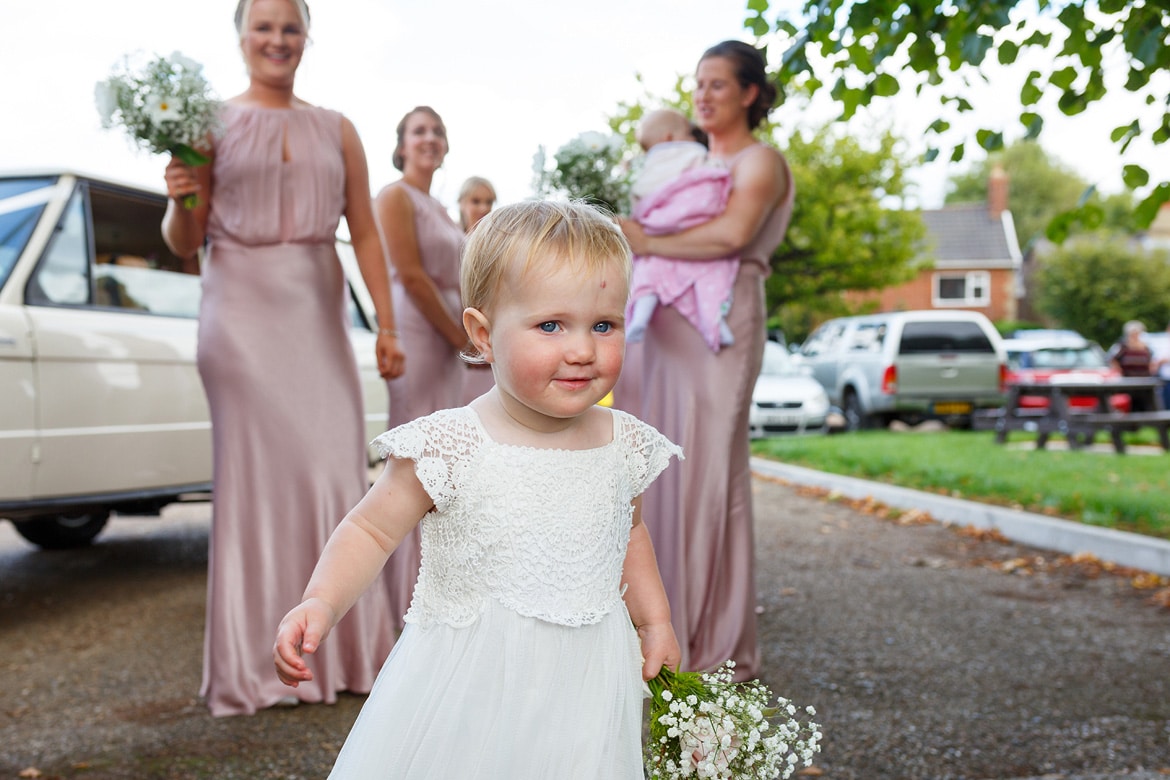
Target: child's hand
column 659, row 648
column 301, row 631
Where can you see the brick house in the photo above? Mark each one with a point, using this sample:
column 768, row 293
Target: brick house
column 973, row 260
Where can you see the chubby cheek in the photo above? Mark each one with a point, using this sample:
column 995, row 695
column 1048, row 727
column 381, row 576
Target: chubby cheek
column 610, row 357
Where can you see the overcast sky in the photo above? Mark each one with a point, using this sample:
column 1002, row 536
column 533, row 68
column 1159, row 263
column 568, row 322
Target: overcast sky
column 506, row 77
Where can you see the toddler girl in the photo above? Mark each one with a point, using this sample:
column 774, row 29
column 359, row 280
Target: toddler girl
column 539, row 611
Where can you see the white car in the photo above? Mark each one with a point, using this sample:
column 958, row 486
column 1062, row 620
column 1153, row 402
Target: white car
column 102, row 407
column 786, row 398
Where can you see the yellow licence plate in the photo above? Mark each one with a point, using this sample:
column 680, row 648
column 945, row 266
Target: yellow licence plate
column 952, row 407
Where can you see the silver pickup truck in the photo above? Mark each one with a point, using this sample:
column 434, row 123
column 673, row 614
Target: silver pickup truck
column 909, row 366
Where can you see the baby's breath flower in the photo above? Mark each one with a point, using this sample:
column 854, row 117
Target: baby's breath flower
column 705, row 725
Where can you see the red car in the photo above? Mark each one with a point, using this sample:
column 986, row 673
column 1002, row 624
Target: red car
column 1055, row 359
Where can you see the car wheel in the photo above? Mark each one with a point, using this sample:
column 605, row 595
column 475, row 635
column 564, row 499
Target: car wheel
column 62, row 532
column 855, row 417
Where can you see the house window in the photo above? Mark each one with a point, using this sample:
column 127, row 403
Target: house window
column 972, row 288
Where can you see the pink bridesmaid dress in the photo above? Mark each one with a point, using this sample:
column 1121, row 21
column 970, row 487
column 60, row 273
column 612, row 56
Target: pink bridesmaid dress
column 699, row 513
column 434, row 373
column 286, row 409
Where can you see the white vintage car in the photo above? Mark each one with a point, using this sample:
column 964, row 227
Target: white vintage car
column 101, row 406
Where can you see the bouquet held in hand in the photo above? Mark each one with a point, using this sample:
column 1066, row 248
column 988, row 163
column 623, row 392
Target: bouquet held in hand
column 704, row 725
column 166, row 106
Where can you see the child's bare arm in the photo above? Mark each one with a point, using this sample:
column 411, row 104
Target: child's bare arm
column 352, row 558
column 647, row 602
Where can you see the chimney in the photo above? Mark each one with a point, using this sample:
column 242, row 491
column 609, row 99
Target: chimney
column 997, row 192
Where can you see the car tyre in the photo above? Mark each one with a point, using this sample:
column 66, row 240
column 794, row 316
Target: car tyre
column 63, row 532
column 855, row 417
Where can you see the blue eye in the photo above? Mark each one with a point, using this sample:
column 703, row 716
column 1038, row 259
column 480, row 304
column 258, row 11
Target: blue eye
column 548, row 327
column 603, row 327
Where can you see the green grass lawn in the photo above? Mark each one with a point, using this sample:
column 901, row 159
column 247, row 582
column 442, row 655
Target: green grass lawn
column 1128, row 492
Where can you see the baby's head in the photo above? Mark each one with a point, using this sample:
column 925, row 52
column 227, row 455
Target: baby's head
column 515, row 244
column 664, row 124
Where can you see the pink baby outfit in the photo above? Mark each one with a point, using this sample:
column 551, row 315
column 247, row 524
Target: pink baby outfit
column 699, row 291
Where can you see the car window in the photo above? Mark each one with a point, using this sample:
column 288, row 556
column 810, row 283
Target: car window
column 868, row 337
column 1063, row 358
column 21, row 204
column 62, row 276
column 943, row 336
column 823, row 338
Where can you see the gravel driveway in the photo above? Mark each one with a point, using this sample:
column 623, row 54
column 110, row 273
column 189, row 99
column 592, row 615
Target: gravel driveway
column 927, row 652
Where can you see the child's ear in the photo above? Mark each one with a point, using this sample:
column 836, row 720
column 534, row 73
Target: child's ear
column 479, row 331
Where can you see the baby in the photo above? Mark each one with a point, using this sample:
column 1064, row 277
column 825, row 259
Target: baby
column 673, row 190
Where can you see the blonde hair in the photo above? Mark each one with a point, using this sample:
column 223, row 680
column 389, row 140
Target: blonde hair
column 245, row 6
column 523, row 237
column 465, row 191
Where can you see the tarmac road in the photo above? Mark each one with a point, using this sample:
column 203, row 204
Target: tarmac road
column 929, row 654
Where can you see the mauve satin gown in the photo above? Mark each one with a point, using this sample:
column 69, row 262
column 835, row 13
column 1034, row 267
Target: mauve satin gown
column 286, row 408
column 434, row 373
column 699, row 512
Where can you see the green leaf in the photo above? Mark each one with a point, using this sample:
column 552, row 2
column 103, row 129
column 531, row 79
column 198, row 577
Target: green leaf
column 1063, row 78
column 1148, row 209
column 885, row 85
column 759, row 6
column 957, row 152
column 931, row 155
column 758, row 26
column 1030, row 94
column 1125, row 132
column 989, row 140
column 1008, row 51
column 1033, row 123
column 1134, row 176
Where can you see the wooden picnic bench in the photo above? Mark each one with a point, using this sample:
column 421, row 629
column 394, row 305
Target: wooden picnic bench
column 1080, row 428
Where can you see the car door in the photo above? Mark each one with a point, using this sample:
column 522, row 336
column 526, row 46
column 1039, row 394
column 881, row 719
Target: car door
column 119, row 403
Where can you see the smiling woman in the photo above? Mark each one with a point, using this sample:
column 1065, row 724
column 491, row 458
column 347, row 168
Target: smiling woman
column 275, row 360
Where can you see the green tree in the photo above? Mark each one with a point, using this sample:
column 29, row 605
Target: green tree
column 1040, row 190
column 848, row 231
column 1095, row 286
column 862, row 51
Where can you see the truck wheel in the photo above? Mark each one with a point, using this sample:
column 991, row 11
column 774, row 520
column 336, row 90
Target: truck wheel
column 62, row 532
column 855, row 418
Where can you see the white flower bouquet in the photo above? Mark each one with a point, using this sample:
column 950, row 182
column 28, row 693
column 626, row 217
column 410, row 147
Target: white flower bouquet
column 165, row 106
column 590, row 167
column 704, row 725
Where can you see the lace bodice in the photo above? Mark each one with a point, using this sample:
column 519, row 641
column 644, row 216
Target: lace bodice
column 543, row 531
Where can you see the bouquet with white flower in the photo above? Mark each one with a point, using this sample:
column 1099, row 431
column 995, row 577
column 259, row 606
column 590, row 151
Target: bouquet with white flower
column 165, row 106
column 707, row 726
column 590, row 167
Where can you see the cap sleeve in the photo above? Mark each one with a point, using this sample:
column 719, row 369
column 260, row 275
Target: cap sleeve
column 440, row 445
column 647, row 451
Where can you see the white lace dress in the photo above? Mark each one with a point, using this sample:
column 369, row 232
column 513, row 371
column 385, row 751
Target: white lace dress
column 518, row 659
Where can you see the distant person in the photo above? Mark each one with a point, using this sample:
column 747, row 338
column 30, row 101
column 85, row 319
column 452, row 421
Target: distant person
column 1161, row 366
column 700, row 514
column 424, row 244
column 288, row 434
column 477, row 197
column 1132, row 358
column 675, row 189
column 539, row 611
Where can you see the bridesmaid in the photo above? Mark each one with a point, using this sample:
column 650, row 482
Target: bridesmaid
column 700, row 514
column 424, row 245
column 288, row 435
column 477, row 197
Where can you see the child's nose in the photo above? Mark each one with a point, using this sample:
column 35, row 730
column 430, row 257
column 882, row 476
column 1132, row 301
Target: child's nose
column 580, row 348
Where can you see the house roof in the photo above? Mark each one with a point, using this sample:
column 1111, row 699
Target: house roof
column 967, row 236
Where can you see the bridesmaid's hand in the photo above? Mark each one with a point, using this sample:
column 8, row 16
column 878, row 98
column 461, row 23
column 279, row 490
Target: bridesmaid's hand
column 635, row 235
column 391, row 358
column 181, row 180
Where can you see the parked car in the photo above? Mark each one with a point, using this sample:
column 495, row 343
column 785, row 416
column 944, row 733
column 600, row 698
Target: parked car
column 909, row 366
column 103, row 409
column 1062, row 358
column 786, row 398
